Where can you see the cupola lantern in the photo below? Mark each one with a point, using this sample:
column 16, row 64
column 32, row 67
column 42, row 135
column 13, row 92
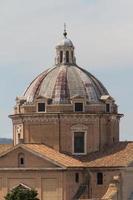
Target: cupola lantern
column 65, row 51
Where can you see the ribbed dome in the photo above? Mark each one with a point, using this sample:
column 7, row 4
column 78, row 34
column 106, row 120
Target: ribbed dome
column 62, row 83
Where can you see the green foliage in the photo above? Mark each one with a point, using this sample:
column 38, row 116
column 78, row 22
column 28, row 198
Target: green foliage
column 22, row 193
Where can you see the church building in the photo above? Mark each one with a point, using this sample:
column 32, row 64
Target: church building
column 66, row 137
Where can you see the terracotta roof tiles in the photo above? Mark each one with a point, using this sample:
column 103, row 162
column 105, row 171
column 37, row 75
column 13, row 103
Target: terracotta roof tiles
column 54, row 155
column 5, row 147
column 119, row 155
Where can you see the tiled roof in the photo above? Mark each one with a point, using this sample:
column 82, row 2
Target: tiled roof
column 53, row 155
column 5, row 147
column 119, row 155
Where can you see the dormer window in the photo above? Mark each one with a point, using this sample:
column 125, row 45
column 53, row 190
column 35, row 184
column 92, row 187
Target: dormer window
column 78, row 107
column 108, row 108
column 41, row 107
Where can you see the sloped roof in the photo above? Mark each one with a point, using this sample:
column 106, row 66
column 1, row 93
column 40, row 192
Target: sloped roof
column 46, row 152
column 54, row 155
column 119, row 155
column 5, row 147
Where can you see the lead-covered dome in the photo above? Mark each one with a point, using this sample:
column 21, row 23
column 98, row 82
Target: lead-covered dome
column 65, row 42
column 65, row 80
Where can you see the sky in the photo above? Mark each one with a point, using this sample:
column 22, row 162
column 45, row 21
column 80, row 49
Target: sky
column 102, row 33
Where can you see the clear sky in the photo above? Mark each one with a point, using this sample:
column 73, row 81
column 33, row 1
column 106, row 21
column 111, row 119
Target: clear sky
column 101, row 30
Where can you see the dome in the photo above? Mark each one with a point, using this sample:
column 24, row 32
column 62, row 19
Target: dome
column 65, row 42
column 64, row 82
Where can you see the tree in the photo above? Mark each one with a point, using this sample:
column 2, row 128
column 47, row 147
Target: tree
column 22, row 193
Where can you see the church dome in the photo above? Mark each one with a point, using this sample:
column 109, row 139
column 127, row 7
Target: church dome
column 66, row 80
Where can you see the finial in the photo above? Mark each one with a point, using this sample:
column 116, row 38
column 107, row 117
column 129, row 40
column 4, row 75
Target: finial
column 65, row 33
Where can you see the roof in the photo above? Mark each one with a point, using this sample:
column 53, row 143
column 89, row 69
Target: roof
column 49, row 154
column 54, row 155
column 63, row 82
column 106, row 97
column 65, row 42
column 5, row 147
column 119, row 155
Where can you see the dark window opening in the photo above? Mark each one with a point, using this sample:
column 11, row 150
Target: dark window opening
column 113, row 139
column 78, row 107
column 108, row 107
column 61, row 56
column 99, row 178
column 79, row 142
column 72, row 54
column 41, row 107
column 77, row 177
column 67, row 56
column 22, row 161
column 49, row 101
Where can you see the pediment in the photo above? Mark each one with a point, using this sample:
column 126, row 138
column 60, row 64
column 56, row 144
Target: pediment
column 10, row 159
column 106, row 98
column 40, row 97
column 77, row 97
column 22, row 186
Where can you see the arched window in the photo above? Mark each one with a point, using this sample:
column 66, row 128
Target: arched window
column 99, row 178
column 61, row 56
column 67, row 56
column 21, row 160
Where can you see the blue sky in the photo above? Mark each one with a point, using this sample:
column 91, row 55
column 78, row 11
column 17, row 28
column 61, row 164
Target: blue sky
column 101, row 30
